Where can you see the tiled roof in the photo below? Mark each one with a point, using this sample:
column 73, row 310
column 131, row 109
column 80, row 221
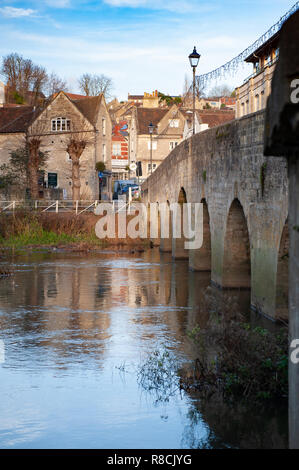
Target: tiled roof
column 135, row 97
column 16, row 119
column 72, row 96
column 89, row 107
column 215, row 118
column 147, row 115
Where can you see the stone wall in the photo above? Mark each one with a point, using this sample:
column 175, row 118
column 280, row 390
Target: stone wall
column 222, row 165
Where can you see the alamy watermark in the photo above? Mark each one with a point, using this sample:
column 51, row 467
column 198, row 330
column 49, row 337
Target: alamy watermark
column 294, row 355
column 154, row 221
column 295, row 92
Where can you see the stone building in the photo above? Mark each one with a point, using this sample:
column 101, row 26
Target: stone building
column 205, row 119
column 171, row 126
column 59, row 120
column 168, row 133
column 253, row 94
column 120, row 150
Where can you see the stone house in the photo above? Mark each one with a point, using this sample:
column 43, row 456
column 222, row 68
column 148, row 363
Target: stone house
column 171, row 126
column 253, row 94
column 168, row 133
column 62, row 118
column 205, row 119
column 120, row 150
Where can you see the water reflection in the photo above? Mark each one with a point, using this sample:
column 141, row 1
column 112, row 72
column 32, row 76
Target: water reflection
column 75, row 330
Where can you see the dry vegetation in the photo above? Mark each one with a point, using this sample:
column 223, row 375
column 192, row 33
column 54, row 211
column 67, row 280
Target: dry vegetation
column 69, row 230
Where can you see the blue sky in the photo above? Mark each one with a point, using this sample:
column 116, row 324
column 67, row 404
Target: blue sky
column 142, row 45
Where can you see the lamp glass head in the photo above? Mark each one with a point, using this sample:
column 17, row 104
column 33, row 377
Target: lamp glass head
column 194, row 58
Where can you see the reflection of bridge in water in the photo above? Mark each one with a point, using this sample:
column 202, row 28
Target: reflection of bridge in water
column 245, row 234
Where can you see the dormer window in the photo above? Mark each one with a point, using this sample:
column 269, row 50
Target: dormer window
column 60, row 124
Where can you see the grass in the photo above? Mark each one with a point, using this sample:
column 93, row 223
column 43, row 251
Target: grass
column 24, row 229
column 33, row 228
column 29, row 230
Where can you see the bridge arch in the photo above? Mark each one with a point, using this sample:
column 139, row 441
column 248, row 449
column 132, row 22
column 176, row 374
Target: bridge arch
column 178, row 249
column 282, row 277
column 236, row 271
column 200, row 260
column 166, row 243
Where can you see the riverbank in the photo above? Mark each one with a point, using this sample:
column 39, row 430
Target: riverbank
column 62, row 232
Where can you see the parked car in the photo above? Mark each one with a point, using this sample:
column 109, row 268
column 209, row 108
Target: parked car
column 135, row 190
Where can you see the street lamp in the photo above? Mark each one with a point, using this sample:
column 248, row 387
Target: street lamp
column 194, row 59
column 151, row 130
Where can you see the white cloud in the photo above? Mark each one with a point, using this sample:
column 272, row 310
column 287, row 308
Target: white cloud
column 179, row 6
column 12, row 12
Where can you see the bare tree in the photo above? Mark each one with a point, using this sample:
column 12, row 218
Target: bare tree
column 33, row 165
column 55, row 84
column 75, row 148
column 188, row 91
column 187, row 85
column 221, row 90
column 36, row 159
column 77, row 142
column 23, row 77
column 93, row 85
column 22, row 170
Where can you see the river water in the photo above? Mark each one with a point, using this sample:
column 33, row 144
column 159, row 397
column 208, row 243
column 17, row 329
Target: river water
column 74, row 331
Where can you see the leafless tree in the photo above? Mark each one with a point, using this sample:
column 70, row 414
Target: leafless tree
column 23, row 77
column 93, row 85
column 75, row 149
column 55, row 84
column 36, row 158
column 188, row 92
column 34, row 165
column 79, row 139
column 221, row 90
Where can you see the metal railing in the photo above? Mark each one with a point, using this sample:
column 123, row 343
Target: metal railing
column 260, row 70
column 64, row 205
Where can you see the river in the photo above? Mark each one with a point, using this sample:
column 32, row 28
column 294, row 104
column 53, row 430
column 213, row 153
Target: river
column 74, row 330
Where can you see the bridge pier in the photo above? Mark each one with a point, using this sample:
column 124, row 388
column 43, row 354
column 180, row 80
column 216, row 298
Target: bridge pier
column 200, row 259
column 178, row 239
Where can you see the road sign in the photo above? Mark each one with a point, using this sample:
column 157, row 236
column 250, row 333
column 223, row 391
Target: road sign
column 133, row 166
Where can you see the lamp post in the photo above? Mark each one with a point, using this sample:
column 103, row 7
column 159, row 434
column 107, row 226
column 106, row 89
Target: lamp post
column 151, row 130
column 194, row 59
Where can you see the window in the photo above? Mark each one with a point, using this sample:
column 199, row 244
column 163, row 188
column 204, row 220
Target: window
column 262, row 100
column 104, row 126
column 154, row 145
column 52, row 180
column 104, row 152
column 247, row 107
column 116, row 149
column 174, row 123
column 149, row 166
column 242, row 109
column 257, row 102
column 60, row 124
column 172, row 145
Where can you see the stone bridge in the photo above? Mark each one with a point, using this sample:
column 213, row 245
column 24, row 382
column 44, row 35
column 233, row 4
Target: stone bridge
column 245, row 211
